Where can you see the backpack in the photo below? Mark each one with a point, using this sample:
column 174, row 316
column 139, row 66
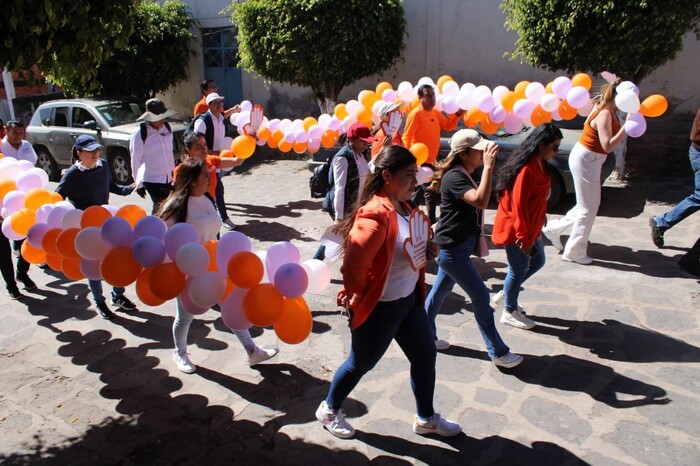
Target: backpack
column 319, row 184
column 144, row 130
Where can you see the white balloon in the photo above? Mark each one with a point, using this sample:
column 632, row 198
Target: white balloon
column 485, row 102
column 481, row 90
column 522, row 108
column 71, row 219
column 535, row 92
column 10, row 169
column 465, row 98
column 285, row 125
column 316, row 131
column 324, row 120
column 449, row 105
column 627, row 86
column 450, row 88
column 561, row 86
column 354, row 107
column 498, row 92
column 627, row 101
column 438, row 102
column 578, row 96
column 274, row 124
column 549, row 102
column 389, row 95
column 246, row 106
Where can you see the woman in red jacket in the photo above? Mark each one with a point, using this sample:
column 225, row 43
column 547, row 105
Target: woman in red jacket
column 386, row 249
column 523, row 185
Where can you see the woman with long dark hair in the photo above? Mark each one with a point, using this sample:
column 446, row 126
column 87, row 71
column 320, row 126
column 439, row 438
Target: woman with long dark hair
column 602, row 133
column 458, row 233
column 523, row 185
column 191, row 202
column 384, row 292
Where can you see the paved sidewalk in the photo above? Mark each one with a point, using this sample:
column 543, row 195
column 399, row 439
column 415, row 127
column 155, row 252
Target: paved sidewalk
column 610, row 373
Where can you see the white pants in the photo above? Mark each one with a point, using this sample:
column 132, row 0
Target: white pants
column 585, row 168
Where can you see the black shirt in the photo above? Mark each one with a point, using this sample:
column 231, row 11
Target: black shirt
column 458, row 219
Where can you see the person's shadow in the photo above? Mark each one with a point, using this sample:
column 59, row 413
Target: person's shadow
column 618, row 341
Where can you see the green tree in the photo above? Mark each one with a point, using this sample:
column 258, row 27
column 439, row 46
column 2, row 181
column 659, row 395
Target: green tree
column 322, row 44
column 628, row 37
column 64, row 39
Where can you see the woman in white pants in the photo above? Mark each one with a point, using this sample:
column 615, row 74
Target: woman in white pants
column 601, row 134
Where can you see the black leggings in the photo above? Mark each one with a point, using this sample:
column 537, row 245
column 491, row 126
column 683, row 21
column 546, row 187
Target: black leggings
column 6, row 266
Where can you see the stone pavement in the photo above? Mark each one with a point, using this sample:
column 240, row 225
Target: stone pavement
column 610, row 373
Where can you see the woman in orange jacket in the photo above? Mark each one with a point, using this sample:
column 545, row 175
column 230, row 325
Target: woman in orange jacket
column 523, row 184
column 386, row 249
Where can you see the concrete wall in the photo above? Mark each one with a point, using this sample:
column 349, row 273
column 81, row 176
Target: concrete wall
column 463, row 38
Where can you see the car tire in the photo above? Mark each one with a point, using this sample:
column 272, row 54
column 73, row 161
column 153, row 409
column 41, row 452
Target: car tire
column 556, row 190
column 46, row 162
column 120, row 166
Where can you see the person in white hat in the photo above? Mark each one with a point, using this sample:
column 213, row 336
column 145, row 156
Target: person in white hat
column 151, row 148
column 382, row 140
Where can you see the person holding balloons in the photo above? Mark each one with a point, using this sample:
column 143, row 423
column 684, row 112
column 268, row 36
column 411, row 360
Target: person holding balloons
column 388, row 121
column 602, row 133
column 86, row 183
column 196, row 146
column 191, row 202
column 386, row 248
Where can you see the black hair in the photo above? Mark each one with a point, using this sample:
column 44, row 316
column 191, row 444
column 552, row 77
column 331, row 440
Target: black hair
column 422, row 88
column 204, row 85
column 14, row 123
column 507, row 171
column 191, row 137
column 175, row 206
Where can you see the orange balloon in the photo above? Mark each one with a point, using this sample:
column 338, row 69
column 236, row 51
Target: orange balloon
column 328, row 138
column 6, row 186
column 365, row 116
column 566, row 111
column 65, row 244
column 263, row 305
column 228, row 153
column 229, row 288
column 264, row 134
column 340, row 111
column 48, row 243
column 210, row 246
column 299, row 147
column 119, row 268
column 653, row 106
column 309, row 122
column 245, row 269
column 473, row 117
column 143, row 290
column 285, row 146
column 166, row 281
column 54, row 261
column 508, row 100
column 35, row 198
column 71, row 269
column 488, row 126
column 31, row 254
column 131, row 213
column 442, row 80
column 243, row 146
column 55, row 197
column 94, row 216
column 367, row 98
column 420, row 152
column 295, row 323
column 381, row 87
column 22, row 220
column 583, row 80
column 520, row 89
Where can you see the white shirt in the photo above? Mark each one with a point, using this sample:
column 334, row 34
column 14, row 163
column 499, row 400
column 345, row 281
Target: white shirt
column 202, row 214
column 219, row 130
column 25, row 151
column 156, row 154
column 401, row 275
column 340, row 178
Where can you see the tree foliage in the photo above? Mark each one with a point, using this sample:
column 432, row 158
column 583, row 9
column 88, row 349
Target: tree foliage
column 63, row 38
column 628, row 37
column 322, row 44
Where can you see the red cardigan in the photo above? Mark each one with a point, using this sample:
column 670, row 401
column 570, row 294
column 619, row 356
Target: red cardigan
column 521, row 209
column 368, row 256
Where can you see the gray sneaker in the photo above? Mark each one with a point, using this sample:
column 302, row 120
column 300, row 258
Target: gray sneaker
column 516, row 319
column 334, row 422
column 508, row 360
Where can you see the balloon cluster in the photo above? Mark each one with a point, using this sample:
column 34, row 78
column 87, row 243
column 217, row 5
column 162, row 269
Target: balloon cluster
column 124, row 246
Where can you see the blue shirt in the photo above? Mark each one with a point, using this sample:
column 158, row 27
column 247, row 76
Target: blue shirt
column 88, row 187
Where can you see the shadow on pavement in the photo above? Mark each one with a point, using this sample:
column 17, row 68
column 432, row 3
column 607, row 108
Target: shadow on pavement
column 648, row 262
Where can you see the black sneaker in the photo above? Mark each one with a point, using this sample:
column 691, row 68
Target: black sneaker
column 124, row 303
column 14, row 293
column 27, row 282
column 104, row 311
column 657, row 233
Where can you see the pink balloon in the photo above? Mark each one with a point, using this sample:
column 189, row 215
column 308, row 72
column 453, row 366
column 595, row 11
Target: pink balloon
column 319, row 275
column 13, row 201
column 55, row 216
column 578, row 96
column 42, row 213
column 485, row 102
column 91, row 269
column 513, row 124
column 232, row 310
column 523, row 108
column 281, row 253
column 187, row 303
column 635, row 125
column 28, row 180
column 549, row 102
column 90, row 245
column 561, row 86
column 498, row 114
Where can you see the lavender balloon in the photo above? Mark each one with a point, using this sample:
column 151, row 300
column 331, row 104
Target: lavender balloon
column 291, row 280
column 187, row 303
column 90, row 245
column 55, row 216
column 150, row 226
column 635, row 125
column 148, row 251
column 117, row 232
column 229, row 244
column 8, row 231
column 177, row 235
column 91, row 269
column 232, row 310
column 36, row 234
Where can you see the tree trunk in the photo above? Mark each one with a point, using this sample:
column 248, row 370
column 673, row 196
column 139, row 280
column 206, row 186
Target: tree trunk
column 327, row 96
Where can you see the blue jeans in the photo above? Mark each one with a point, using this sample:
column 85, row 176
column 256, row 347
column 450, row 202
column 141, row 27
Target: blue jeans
column 520, row 268
column 688, row 205
column 456, row 267
column 402, row 320
column 220, row 202
column 96, row 288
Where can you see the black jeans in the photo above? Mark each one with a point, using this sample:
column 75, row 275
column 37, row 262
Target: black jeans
column 158, row 193
column 220, row 202
column 6, row 266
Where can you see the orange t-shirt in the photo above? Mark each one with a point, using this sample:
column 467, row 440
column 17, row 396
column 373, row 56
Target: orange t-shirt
column 378, row 143
column 200, row 107
column 424, row 126
column 589, row 136
column 213, row 163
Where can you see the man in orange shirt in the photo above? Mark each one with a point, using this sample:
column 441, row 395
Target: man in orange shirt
column 424, row 124
column 208, row 86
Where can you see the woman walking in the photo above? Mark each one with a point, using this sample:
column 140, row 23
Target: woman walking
column 384, row 292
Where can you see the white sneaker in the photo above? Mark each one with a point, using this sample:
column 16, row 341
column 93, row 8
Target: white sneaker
column 583, row 261
column 517, row 319
column 497, row 301
column 261, row 355
column 553, row 238
column 436, row 425
column 183, row 363
column 508, row 360
column 442, row 345
column 229, row 224
column 334, row 423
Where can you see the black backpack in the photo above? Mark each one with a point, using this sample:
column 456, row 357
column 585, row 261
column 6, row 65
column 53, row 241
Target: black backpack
column 319, row 184
column 144, row 130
